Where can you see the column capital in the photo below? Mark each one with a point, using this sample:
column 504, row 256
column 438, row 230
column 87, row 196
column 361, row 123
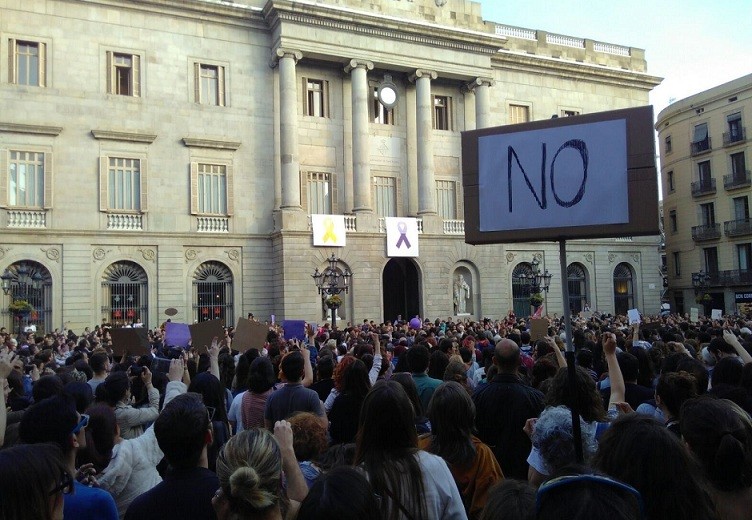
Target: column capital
column 355, row 63
column 423, row 73
column 283, row 52
column 479, row 82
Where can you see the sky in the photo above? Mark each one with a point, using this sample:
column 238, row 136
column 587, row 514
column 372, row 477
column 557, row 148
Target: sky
column 693, row 44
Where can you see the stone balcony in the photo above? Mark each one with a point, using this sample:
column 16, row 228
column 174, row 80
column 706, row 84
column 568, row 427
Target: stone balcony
column 125, row 222
column 27, row 218
column 213, row 224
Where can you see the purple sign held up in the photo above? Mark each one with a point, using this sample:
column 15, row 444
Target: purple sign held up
column 177, row 334
column 294, row 329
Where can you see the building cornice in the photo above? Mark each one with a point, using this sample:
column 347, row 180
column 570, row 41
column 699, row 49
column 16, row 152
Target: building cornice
column 18, row 128
column 215, row 144
column 131, row 137
column 343, row 19
column 736, row 87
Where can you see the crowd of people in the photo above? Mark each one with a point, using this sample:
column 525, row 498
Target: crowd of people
column 404, row 420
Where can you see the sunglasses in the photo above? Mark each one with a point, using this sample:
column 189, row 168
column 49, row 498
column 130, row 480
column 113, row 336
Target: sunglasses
column 83, row 423
column 65, row 486
column 598, row 479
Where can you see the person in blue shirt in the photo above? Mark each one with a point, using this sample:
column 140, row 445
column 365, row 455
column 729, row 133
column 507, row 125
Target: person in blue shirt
column 55, row 420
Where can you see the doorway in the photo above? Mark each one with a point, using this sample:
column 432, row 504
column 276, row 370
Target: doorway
column 401, row 289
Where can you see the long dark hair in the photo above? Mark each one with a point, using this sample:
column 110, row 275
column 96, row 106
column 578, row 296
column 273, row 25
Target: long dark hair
column 386, row 447
column 342, row 493
column 356, row 382
column 589, row 401
column 100, row 437
column 452, row 415
column 408, row 384
column 113, row 389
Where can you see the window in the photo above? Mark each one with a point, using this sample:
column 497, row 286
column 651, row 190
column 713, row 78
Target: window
column 672, row 221
column 623, row 288
column 735, row 129
column 704, row 174
column 741, row 208
column 738, row 166
column 667, row 143
column 124, row 74
column 521, row 290
column 744, row 255
column 385, row 196
column 700, row 141
column 319, row 196
column 123, row 187
column 317, row 98
column 707, row 214
column 711, row 259
column 670, row 181
column 209, row 84
column 27, row 63
column 577, row 281
column 446, row 198
column 39, row 297
column 26, row 179
column 677, row 263
column 213, row 293
column 519, row 114
column 209, row 188
column 442, row 113
column 381, row 114
column 569, row 113
column 125, row 289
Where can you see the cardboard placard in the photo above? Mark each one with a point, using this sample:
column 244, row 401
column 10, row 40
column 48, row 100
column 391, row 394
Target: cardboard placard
column 634, row 316
column 716, row 314
column 538, row 329
column 203, row 333
column 294, row 329
column 130, row 341
column 177, row 334
column 249, row 334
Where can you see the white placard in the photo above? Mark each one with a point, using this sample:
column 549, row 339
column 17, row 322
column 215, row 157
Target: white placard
column 694, row 314
column 634, row 316
column 401, row 236
column 574, row 175
column 716, row 314
column 328, row 230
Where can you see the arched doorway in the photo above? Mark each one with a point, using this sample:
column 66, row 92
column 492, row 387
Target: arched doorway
column 30, row 281
column 401, row 289
column 623, row 289
column 521, row 290
column 212, row 293
column 577, row 280
column 125, row 294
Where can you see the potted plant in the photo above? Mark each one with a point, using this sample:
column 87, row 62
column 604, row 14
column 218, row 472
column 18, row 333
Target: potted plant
column 333, row 301
column 536, row 300
column 20, row 307
column 703, row 298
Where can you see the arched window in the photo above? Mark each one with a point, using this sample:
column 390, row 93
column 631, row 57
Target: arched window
column 521, row 290
column 212, row 293
column 125, row 294
column 623, row 288
column 30, row 281
column 577, row 282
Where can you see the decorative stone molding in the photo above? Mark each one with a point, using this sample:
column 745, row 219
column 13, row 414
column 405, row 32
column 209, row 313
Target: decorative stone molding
column 52, row 253
column 148, row 253
column 420, row 73
column 538, row 256
column 100, row 253
column 282, row 52
column 589, row 258
column 477, row 82
column 215, row 144
column 611, row 257
column 636, row 257
column 510, row 257
column 233, row 254
column 355, row 63
column 191, row 254
column 4, row 250
column 132, row 137
column 17, row 128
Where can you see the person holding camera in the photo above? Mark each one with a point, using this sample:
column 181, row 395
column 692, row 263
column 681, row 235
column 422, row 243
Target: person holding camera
column 116, row 392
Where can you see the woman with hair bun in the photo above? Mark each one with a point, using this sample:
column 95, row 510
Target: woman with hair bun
column 719, row 434
column 249, row 469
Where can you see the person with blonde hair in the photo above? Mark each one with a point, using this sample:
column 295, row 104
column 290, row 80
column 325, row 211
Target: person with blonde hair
column 250, row 469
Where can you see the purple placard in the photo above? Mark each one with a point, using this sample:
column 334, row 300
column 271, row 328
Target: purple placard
column 177, row 334
column 294, row 329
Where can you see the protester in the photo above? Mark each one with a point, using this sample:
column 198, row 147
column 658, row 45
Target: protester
column 342, row 493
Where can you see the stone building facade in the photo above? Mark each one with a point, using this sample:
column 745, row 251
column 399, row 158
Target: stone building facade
column 163, row 154
column 706, row 180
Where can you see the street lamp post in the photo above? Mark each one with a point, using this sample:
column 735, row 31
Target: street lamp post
column 700, row 283
column 537, row 281
column 20, row 286
column 331, row 283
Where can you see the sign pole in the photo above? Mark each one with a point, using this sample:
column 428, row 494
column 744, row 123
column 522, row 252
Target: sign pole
column 569, row 355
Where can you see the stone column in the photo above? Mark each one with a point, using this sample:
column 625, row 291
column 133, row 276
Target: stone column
column 288, row 127
column 424, row 124
column 482, row 101
column 468, row 95
column 361, row 155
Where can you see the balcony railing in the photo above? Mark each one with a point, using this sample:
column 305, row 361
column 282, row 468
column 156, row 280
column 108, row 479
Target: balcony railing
column 213, row 224
column 351, row 222
column 125, row 222
column 739, row 136
column 700, row 147
column 382, row 225
column 703, row 187
column 737, row 180
column 730, row 278
column 739, row 227
column 706, row 232
column 27, row 218
column 454, row 227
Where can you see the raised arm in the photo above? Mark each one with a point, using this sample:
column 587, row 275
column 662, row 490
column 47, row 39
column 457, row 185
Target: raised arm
column 732, row 340
column 307, row 368
column 614, row 372
column 557, row 351
column 214, row 358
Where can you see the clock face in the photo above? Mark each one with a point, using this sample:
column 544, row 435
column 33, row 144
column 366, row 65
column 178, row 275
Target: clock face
column 387, row 96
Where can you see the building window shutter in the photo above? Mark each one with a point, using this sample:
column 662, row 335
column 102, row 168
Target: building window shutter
column 42, row 65
column 325, row 94
column 306, row 110
column 47, row 181
column 110, row 74
column 221, row 86
column 398, row 202
column 104, row 165
column 334, row 193
column 197, row 83
column 230, row 192
column 11, row 60
column 3, row 178
column 194, row 188
column 136, row 77
column 144, row 192
column 304, row 190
